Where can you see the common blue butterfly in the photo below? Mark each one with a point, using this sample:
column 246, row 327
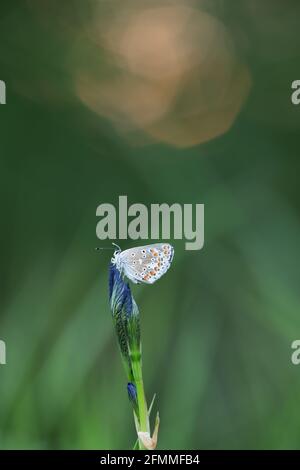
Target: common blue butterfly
column 145, row 264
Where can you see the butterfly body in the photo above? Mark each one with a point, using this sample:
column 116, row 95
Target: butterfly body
column 144, row 264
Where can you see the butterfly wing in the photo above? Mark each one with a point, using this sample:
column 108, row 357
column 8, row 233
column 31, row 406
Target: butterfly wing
column 147, row 263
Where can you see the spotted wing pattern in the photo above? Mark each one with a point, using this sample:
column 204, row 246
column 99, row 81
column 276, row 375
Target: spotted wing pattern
column 147, row 263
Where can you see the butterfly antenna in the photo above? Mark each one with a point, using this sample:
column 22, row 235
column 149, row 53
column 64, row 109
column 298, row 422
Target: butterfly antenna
column 117, row 246
column 99, row 248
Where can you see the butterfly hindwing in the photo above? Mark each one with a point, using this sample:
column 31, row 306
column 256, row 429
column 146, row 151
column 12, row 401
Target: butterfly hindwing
column 147, row 263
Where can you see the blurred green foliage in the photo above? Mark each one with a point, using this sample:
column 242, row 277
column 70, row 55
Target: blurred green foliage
column 217, row 329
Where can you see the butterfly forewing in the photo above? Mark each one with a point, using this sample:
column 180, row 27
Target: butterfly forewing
column 147, row 263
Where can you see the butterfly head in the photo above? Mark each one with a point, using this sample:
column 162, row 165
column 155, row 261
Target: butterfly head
column 118, row 250
column 116, row 257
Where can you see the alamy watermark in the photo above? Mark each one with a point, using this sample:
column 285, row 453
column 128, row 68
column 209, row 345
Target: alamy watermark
column 2, row 352
column 2, row 92
column 295, row 96
column 295, row 357
column 158, row 221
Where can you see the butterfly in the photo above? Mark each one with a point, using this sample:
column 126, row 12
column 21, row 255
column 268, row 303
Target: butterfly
column 144, row 264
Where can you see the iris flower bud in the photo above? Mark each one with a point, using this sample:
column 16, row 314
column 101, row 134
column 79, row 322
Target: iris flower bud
column 126, row 318
column 132, row 395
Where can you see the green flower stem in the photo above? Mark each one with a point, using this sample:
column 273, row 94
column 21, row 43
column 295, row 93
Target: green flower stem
column 141, row 399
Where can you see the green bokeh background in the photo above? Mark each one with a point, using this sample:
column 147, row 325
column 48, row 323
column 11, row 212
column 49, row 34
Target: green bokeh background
column 217, row 329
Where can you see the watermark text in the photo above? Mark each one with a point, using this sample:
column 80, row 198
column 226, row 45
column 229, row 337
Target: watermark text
column 2, row 92
column 158, row 221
